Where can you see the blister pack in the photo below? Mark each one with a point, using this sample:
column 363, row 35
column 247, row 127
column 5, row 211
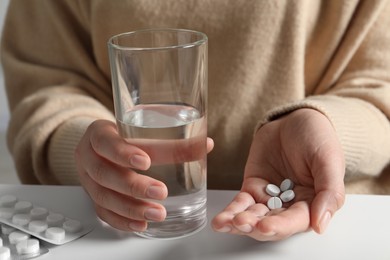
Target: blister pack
column 46, row 224
column 17, row 245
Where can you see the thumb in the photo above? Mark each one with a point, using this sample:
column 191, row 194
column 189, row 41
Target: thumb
column 324, row 206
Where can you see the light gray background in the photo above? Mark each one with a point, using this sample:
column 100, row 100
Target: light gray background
column 4, row 112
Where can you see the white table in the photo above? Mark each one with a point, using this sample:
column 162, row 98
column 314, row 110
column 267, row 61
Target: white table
column 360, row 230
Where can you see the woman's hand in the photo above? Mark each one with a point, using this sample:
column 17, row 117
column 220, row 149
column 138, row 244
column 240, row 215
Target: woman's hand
column 303, row 147
column 107, row 167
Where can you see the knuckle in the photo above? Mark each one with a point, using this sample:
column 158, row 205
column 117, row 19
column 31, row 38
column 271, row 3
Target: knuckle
column 98, row 172
column 133, row 213
column 97, row 139
column 136, row 188
column 99, row 132
column 119, row 154
column 100, row 197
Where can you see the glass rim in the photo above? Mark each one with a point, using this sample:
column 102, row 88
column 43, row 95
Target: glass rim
column 203, row 39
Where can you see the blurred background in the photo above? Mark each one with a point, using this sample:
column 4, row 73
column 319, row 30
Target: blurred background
column 7, row 170
column 4, row 116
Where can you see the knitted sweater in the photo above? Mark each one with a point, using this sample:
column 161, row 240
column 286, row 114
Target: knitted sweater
column 266, row 58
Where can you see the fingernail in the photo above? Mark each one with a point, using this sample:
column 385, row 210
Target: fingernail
column 325, row 219
column 155, row 192
column 245, row 228
column 154, row 214
column 137, row 226
column 139, row 162
column 224, row 229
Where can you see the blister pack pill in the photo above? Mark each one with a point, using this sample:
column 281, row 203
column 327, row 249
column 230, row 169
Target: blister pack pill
column 46, row 224
column 18, row 245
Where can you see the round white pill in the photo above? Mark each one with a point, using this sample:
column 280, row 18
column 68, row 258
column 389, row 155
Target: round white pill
column 287, row 195
column 55, row 220
column 55, row 233
column 17, row 236
column 23, row 206
column 72, row 226
column 272, row 190
column 5, row 253
column 6, row 213
column 37, row 226
column 8, row 200
column 39, row 213
column 274, row 203
column 21, row 219
column 286, row 184
column 6, row 230
column 29, row 246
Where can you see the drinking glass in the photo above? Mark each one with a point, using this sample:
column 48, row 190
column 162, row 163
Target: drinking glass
column 159, row 81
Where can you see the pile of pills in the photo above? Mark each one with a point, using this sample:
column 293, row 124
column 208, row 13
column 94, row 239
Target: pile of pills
column 280, row 194
column 17, row 245
column 39, row 222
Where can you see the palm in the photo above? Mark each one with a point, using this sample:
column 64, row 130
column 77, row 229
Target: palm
column 302, row 147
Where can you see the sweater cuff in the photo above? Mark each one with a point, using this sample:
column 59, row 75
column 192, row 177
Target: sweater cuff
column 363, row 131
column 62, row 148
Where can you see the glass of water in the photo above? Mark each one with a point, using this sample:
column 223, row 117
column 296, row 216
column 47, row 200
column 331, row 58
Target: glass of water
column 159, row 80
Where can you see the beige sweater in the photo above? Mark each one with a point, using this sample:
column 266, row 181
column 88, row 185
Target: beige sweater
column 266, row 58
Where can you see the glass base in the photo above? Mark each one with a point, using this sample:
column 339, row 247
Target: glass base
column 173, row 229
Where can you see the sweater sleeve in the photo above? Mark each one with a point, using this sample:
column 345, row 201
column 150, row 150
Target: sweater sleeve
column 55, row 90
column 355, row 92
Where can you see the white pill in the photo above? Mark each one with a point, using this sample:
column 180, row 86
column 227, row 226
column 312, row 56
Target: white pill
column 287, row 184
column 5, row 253
column 23, row 206
column 37, row 226
column 29, row 246
column 6, row 230
column 274, row 203
column 287, row 195
column 55, row 220
column 21, row 219
column 39, row 213
column 55, row 233
column 272, row 190
column 8, row 200
column 17, row 236
column 6, row 213
column 72, row 226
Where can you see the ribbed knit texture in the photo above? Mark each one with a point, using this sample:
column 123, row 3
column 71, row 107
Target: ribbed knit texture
column 266, row 58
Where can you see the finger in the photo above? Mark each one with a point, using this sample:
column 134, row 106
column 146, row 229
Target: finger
column 240, row 202
column 121, row 179
column 324, row 206
column 122, row 205
column 247, row 220
column 222, row 222
column 106, row 142
column 256, row 188
column 328, row 173
column 284, row 223
column 164, row 151
column 210, row 144
column 120, row 222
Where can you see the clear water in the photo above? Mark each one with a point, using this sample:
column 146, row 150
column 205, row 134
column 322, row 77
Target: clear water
column 174, row 136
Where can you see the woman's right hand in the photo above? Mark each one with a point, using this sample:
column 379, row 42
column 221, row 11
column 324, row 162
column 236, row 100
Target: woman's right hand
column 107, row 166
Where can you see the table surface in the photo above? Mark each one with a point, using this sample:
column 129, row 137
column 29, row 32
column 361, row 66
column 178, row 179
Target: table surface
column 360, row 230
